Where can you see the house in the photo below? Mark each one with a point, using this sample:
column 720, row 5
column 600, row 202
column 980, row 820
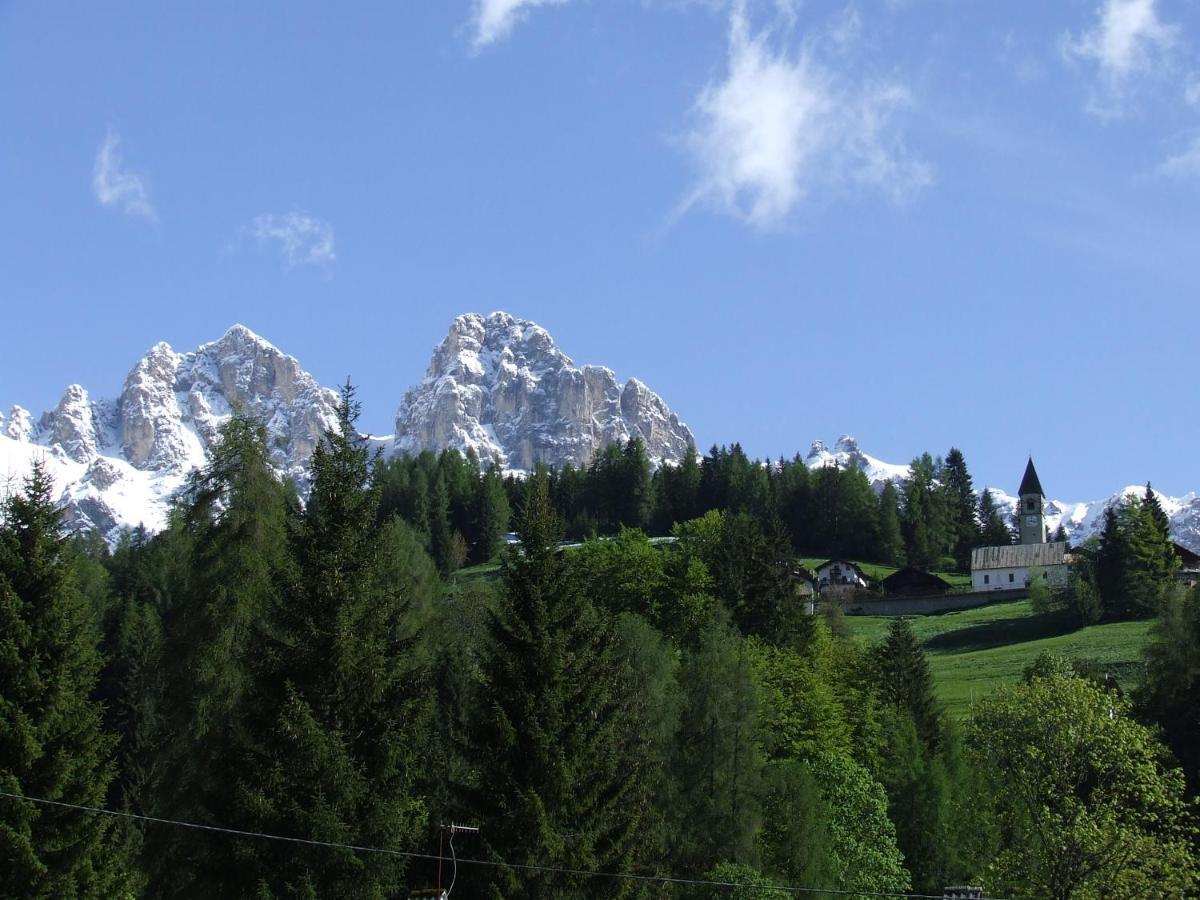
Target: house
column 913, row 582
column 805, row 582
column 1015, row 567
column 840, row 576
column 1189, row 565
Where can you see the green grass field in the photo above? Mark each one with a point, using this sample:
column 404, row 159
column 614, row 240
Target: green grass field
column 974, row 651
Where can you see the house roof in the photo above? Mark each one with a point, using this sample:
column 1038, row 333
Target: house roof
column 1187, row 558
column 1019, row 556
column 913, row 575
column 1030, row 483
column 844, row 563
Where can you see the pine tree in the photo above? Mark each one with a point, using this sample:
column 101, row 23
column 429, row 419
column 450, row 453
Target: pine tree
column 891, row 540
column 959, row 503
column 993, row 531
column 559, row 766
column 904, row 680
column 230, row 533
column 51, row 743
column 718, row 766
column 492, row 515
column 340, row 712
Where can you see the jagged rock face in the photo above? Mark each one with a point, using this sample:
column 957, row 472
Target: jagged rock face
column 499, row 386
column 73, row 426
column 19, row 425
column 116, row 463
column 173, row 404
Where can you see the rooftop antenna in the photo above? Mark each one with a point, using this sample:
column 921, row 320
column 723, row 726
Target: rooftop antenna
column 453, row 829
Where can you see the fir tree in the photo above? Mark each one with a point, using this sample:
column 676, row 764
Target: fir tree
column 492, row 515
column 558, row 758
column 718, row 766
column 891, row 540
column 339, row 717
column 959, row 503
column 993, row 532
column 904, row 680
column 51, row 743
column 185, row 734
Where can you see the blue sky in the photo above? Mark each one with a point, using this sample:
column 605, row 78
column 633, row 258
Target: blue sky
column 924, row 222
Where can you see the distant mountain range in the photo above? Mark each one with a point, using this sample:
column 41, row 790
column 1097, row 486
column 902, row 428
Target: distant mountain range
column 1080, row 520
column 497, row 386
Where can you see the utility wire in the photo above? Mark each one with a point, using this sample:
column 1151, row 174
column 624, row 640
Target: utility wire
column 662, row 879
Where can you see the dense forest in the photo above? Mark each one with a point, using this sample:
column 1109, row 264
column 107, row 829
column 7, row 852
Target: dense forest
column 624, row 718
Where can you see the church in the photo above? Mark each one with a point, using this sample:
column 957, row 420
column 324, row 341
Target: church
column 1014, row 567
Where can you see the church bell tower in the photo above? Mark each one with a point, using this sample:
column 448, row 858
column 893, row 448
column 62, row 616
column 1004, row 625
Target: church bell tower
column 1032, row 509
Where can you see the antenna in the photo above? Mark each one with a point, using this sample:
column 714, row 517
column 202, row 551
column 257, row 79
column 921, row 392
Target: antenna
column 453, row 829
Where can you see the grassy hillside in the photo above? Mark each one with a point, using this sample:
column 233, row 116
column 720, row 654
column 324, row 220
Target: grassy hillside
column 973, row 651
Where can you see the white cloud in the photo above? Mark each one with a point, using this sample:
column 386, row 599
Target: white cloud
column 779, row 126
column 114, row 186
column 1128, row 41
column 302, row 239
column 1191, row 91
column 494, row 19
column 1185, row 163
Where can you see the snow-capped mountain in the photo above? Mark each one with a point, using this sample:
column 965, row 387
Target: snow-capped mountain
column 116, row 462
column 847, row 454
column 1080, row 520
column 499, row 386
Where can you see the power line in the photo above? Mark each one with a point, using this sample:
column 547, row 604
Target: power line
column 407, row 854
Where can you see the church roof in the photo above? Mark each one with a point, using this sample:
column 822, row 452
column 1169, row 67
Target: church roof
column 1030, row 483
column 1019, row 556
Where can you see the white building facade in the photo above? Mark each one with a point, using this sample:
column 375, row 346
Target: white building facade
column 1015, row 567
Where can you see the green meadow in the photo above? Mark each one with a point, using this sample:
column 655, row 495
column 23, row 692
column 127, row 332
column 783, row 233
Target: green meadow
column 974, row 651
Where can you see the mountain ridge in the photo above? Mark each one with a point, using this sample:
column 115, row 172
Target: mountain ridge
column 496, row 385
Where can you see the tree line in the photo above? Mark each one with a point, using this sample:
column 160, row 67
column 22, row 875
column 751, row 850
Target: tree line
column 932, row 519
column 626, row 707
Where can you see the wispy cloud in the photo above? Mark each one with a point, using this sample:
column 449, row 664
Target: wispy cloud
column 494, row 20
column 114, row 185
column 303, row 240
column 1128, row 42
column 1185, row 163
column 778, row 126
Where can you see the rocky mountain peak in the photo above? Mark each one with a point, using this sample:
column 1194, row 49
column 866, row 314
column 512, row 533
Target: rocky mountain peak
column 19, row 424
column 73, row 426
column 498, row 385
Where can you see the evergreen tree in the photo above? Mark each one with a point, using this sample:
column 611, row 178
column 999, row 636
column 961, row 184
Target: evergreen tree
column 1170, row 695
column 441, row 535
column 959, row 504
column 718, row 768
column 891, row 539
column 904, row 680
column 1135, row 563
column 51, row 743
column 184, row 733
column 922, row 516
column 339, row 718
column 993, row 532
column 492, row 515
column 558, row 758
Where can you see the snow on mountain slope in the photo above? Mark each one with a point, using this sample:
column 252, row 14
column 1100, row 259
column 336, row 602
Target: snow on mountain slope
column 500, row 387
column 116, row 463
column 847, row 454
column 1080, row 520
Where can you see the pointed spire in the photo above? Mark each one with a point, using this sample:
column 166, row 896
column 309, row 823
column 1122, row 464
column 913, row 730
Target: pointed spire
column 1030, row 483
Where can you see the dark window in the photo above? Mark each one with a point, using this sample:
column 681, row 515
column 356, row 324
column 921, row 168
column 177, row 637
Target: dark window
column 987, row 579
column 1031, row 504
column 1011, row 576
